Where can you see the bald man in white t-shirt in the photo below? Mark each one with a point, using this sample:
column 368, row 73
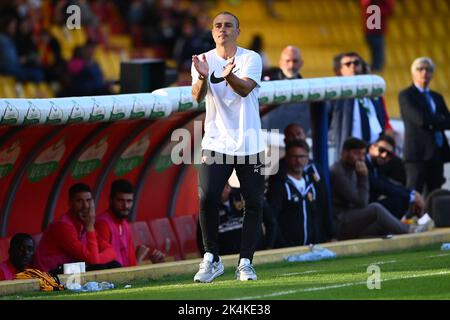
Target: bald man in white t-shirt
column 228, row 78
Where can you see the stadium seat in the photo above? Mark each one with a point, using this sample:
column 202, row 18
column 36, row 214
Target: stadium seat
column 439, row 211
column 46, row 90
column 121, row 41
column 165, row 238
column 437, row 203
column 185, row 228
column 68, row 39
column 30, row 90
column 8, row 90
column 442, row 7
column 142, row 236
column 4, row 248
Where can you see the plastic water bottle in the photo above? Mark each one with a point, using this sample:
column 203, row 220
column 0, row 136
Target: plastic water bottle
column 106, row 285
column 91, row 287
column 445, row 246
column 316, row 253
column 73, row 286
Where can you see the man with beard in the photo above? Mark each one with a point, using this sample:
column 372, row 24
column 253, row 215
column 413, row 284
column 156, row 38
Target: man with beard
column 394, row 197
column 73, row 238
column 112, row 226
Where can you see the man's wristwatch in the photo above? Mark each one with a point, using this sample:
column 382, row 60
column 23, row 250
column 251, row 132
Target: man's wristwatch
column 201, row 77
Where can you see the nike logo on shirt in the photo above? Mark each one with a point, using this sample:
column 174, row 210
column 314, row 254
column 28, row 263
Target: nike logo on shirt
column 218, row 80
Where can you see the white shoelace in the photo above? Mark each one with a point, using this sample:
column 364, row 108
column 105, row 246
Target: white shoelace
column 206, row 265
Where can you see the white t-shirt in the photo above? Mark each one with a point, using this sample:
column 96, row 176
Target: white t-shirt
column 232, row 122
column 300, row 185
column 374, row 123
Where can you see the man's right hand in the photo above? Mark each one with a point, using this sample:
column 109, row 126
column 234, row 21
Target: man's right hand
column 88, row 217
column 201, row 65
column 361, row 168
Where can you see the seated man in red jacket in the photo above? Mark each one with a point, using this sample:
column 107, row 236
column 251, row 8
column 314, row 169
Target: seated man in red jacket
column 72, row 238
column 112, row 226
column 21, row 251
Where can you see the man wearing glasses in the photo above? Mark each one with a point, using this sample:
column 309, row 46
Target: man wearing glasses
column 394, row 197
column 324, row 225
column 426, row 116
column 362, row 118
column 294, row 199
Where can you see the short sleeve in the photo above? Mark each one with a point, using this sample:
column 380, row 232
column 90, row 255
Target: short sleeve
column 253, row 67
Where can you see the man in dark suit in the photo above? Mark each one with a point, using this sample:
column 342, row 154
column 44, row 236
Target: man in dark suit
column 363, row 118
column 426, row 116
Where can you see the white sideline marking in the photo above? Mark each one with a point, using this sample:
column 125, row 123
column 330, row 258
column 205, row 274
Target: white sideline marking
column 297, row 273
column 439, row 255
column 379, row 262
column 334, row 286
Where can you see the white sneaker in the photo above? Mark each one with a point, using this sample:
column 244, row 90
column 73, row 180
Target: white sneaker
column 423, row 227
column 245, row 270
column 209, row 270
column 425, row 223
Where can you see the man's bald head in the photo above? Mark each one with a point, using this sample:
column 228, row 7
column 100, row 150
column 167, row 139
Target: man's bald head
column 291, row 61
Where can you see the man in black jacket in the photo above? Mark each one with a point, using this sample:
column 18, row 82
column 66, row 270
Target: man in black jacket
column 426, row 116
column 393, row 196
column 323, row 226
column 295, row 199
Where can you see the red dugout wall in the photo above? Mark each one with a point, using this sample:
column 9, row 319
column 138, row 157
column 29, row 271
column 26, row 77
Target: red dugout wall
column 38, row 165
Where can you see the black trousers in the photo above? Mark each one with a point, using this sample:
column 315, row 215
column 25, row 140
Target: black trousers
column 215, row 170
column 425, row 176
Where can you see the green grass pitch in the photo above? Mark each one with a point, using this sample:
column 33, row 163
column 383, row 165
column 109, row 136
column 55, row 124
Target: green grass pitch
column 422, row 273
